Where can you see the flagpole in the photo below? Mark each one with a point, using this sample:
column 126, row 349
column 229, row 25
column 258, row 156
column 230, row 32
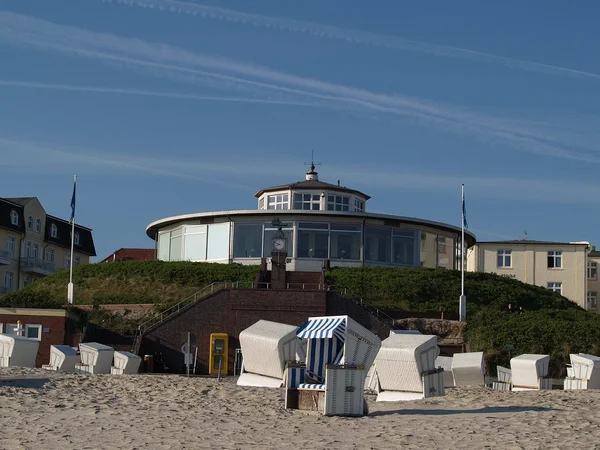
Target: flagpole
column 70, row 288
column 463, row 299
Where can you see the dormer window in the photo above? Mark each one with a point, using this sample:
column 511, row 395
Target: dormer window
column 338, row 203
column 38, row 225
column 53, row 231
column 76, row 240
column 279, row 201
column 14, row 217
column 30, row 223
column 307, row 202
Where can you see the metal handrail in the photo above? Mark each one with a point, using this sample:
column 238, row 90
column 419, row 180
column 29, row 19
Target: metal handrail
column 6, row 254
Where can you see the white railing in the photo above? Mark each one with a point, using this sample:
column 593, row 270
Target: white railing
column 6, row 254
column 37, row 264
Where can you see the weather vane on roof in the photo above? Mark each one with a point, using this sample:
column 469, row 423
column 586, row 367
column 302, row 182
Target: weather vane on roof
column 312, row 162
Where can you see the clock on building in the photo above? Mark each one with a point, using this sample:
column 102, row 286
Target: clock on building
column 279, row 240
column 279, row 243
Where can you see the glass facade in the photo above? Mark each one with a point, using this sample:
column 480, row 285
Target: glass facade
column 379, row 245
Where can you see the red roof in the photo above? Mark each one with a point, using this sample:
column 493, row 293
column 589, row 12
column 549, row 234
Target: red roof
column 131, row 254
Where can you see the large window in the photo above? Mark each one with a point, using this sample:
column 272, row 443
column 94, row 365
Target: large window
column 10, row 244
column 28, row 249
column 38, row 225
column 164, row 243
column 313, row 240
column 195, row 243
column 8, row 280
column 247, row 240
column 338, row 203
column 404, row 243
column 592, row 299
column 269, row 234
column 307, row 201
column 218, row 241
column 359, row 205
column 175, row 249
column 77, row 261
column 555, row 287
column 504, row 258
column 345, row 241
column 279, row 201
column 67, row 260
column 592, row 270
column 35, row 251
column 30, row 223
column 50, row 255
column 554, row 260
column 378, row 245
column 445, row 252
column 428, row 250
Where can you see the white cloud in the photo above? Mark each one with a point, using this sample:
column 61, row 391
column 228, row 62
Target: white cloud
column 349, row 35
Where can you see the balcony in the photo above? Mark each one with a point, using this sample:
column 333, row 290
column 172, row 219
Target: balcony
column 3, row 290
column 6, row 257
column 35, row 266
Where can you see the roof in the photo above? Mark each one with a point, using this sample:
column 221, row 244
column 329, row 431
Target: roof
column 594, row 254
column 127, row 254
column 63, row 239
column 208, row 217
column 6, row 206
column 323, row 328
column 312, row 184
column 20, row 200
column 533, row 242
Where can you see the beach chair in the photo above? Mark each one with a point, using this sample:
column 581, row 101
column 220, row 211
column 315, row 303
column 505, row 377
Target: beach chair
column 125, row 363
column 468, row 369
column 584, row 373
column 17, row 351
column 504, row 382
column 445, row 362
column 96, row 358
column 266, row 347
column 406, row 369
column 530, row 372
column 62, row 359
column 339, row 353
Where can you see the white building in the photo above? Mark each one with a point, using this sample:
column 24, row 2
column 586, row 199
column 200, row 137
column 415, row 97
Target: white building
column 559, row 266
column 321, row 221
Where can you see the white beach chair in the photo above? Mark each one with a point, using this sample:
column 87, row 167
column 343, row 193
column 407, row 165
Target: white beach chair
column 96, row 358
column 62, row 358
column 339, row 354
column 445, row 362
column 406, row 368
column 504, row 382
column 584, row 373
column 17, row 351
column 530, row 372
column 266, row 347
column 125, row 363
column 468, row 369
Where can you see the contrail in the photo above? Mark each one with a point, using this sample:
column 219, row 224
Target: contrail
column 107, row 90
column 349, row 35
column 173, row 63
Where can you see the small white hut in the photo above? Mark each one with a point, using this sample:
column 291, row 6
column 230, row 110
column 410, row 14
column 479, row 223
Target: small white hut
column 95, row 358
column 584, row 372
column 468, row 369
column 530, row 372
column 125, row 363
column 62, row 358
column 266, row 347
column 17, row 351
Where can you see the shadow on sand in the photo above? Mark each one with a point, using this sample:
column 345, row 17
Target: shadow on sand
column 24, row 383
column 447, row 412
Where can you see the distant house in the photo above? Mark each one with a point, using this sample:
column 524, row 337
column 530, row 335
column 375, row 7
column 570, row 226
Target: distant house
column 563, row 267
column 34, row 244
column 131, row 254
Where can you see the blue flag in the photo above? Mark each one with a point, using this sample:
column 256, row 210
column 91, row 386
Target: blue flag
column 464, row 210
column 73, row 200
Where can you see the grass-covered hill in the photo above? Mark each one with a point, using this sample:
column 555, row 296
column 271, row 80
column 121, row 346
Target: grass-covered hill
column 551, row 323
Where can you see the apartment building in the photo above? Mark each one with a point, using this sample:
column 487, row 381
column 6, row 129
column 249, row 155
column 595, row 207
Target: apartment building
column 559, row 266
column 34, row 244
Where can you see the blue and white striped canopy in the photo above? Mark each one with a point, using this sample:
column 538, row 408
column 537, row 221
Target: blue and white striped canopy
column 323, row 328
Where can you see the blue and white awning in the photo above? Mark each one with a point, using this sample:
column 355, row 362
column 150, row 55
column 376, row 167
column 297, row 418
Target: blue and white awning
column 323, row 328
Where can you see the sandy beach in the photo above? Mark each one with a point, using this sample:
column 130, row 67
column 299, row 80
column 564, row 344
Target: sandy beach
column 51, row 411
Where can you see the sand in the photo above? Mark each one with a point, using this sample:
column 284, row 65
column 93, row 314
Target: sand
column 59, row 411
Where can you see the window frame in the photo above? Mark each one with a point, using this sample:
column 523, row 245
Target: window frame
column 29, row 326
column 30, row 223
column 504, row 253
column 593, row 297
column 553, row 285
column 556, row 256
column 53, row 231
column 12, row 279
column 8, row 328
column 11, row 244
column 359, row 205
column 38, row 225
column 281, row 199
column 14, row 217
column 592, row 266
column 332, row 205
column 76, row 239
column 77, row 261
column 314, row 200
column 50, row 255
column 67, row 260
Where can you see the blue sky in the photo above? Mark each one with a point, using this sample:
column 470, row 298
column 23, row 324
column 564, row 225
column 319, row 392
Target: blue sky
column 165, row 107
